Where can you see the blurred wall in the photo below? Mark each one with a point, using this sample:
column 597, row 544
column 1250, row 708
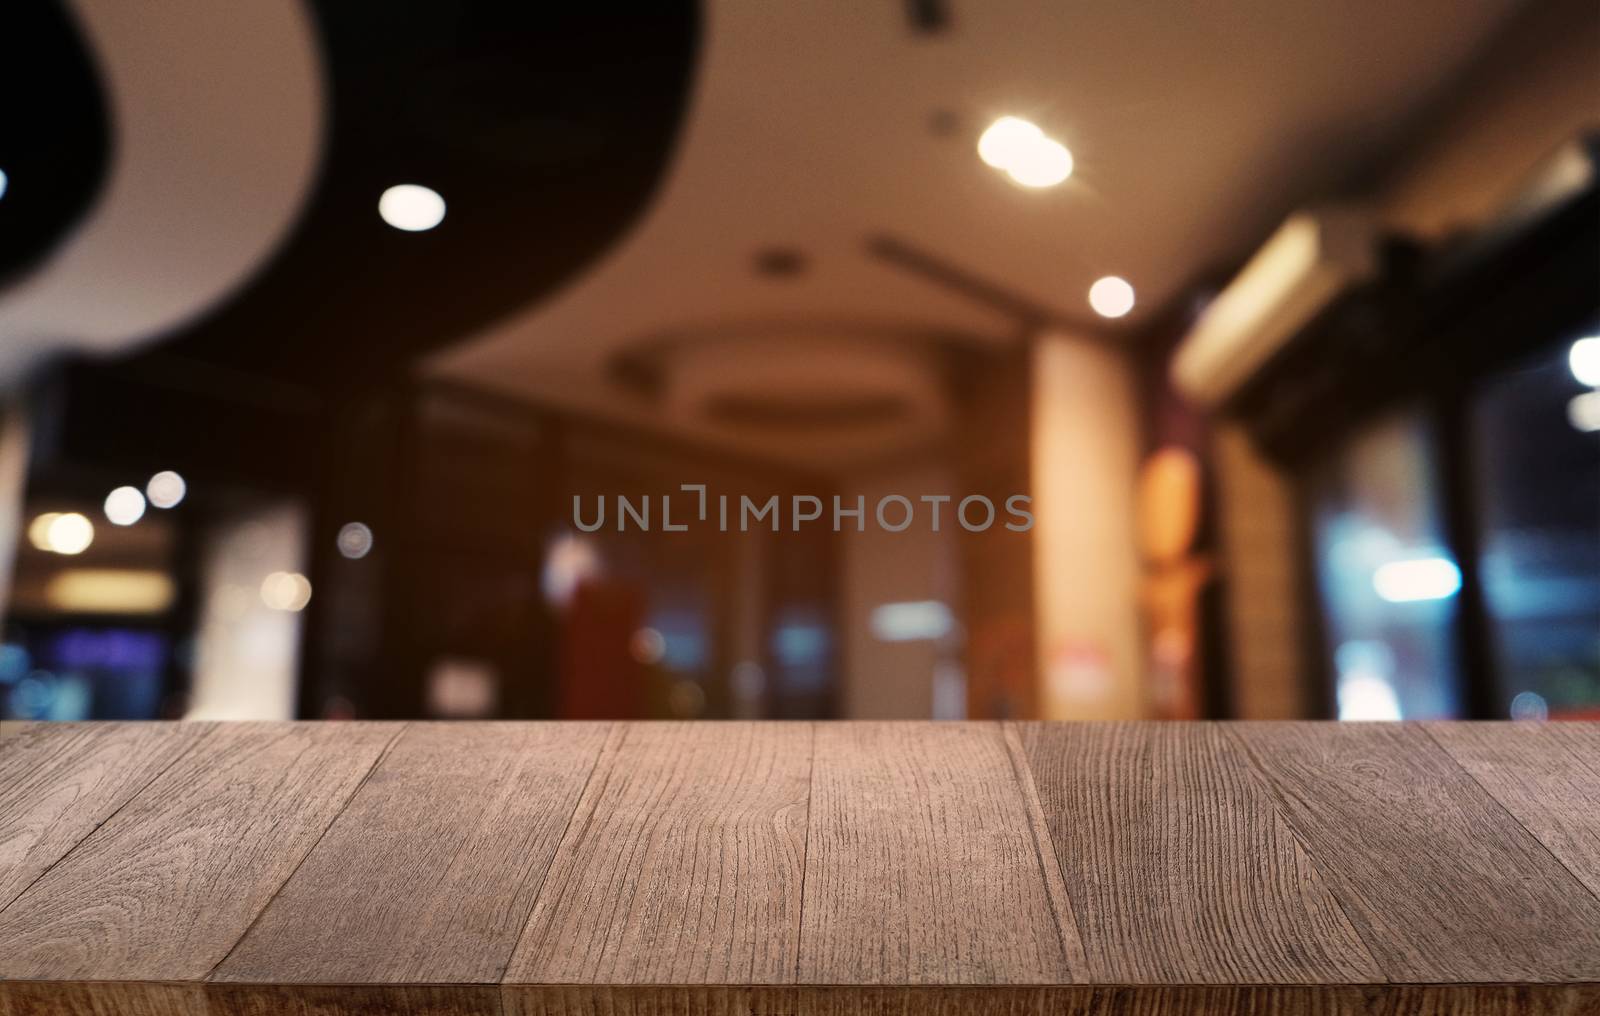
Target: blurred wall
column 1258, row 524
column 1085, row 456
column 885, row 679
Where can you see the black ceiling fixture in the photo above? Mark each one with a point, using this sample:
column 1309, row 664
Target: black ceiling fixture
column 546, row 131
column 780, row 262
column 928, row 17
column 54, row 138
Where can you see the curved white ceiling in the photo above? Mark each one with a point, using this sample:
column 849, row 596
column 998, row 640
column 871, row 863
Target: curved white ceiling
column 1196, row 128
column 217, row 114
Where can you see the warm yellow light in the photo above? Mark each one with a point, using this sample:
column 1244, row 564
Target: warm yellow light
column 1025, row 153
column 61, row 532
column 1006, row 141
column 288, row 591
column 1111, row 297
column 1045, row 163
column 109, row 591
column 39, row 530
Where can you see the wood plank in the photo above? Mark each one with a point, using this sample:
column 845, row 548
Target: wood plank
column 922, row 863
column 429, row 875
column 352, row 1000
column 195, row 998
column 683, row 864
column 60, row 781
column 91, row 998
column 166, row 887
column 1441, row 883
column 1548, row 777
column 1179, row 868
column 1058, row 1000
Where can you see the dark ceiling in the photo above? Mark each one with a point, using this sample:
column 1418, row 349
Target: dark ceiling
column 54, row 141
column 546, row 128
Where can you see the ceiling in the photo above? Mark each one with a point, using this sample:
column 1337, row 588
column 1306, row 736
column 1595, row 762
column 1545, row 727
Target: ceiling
column 745, row 205
column 237, row 220
column 838, row 130
column 214, row 117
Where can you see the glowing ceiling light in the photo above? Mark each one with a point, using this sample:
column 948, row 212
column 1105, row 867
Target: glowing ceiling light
column 166, row 489
column 124, row 506
column 1025, row 153
column 1045, row 163
column 1584, row 359
column 1424, row 578
column 1006, row 140
column 1111, row 297
column 411, row 207
column 4, row 183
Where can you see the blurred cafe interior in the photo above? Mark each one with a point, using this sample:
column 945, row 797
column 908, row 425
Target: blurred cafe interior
column 1250, row 350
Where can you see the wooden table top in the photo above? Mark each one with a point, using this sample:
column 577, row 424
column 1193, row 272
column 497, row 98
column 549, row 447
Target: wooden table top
column 799, row 867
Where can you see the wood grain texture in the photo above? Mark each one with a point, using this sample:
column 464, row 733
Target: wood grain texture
column 1178, row 866
column 838, row 869
column 1058, row 1000
column 922, row 865
column 166, row 887
column 683, row 863
column 113, row 998
column 430, row 872
column 84, row 998
column 1440, row 881
column 1547, row 776
column 352, row 1000
column 60, row 781
column 134, row 998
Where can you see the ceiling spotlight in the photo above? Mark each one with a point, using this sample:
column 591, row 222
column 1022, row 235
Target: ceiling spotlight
column 1025, row 153
column 411, row 207
column 166, row 489
column 1006, row 140
column 4, row 182
column 124, row 506
column 1111, row 297
column 1044, row 164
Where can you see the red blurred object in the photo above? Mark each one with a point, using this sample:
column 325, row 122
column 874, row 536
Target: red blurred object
column 600, row 679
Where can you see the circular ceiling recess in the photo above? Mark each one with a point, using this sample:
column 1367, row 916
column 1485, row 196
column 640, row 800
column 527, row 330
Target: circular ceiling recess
column 788, row 388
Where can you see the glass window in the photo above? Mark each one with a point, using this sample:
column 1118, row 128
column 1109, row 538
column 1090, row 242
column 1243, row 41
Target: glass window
column 1388, row 583
column 1535, row 435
